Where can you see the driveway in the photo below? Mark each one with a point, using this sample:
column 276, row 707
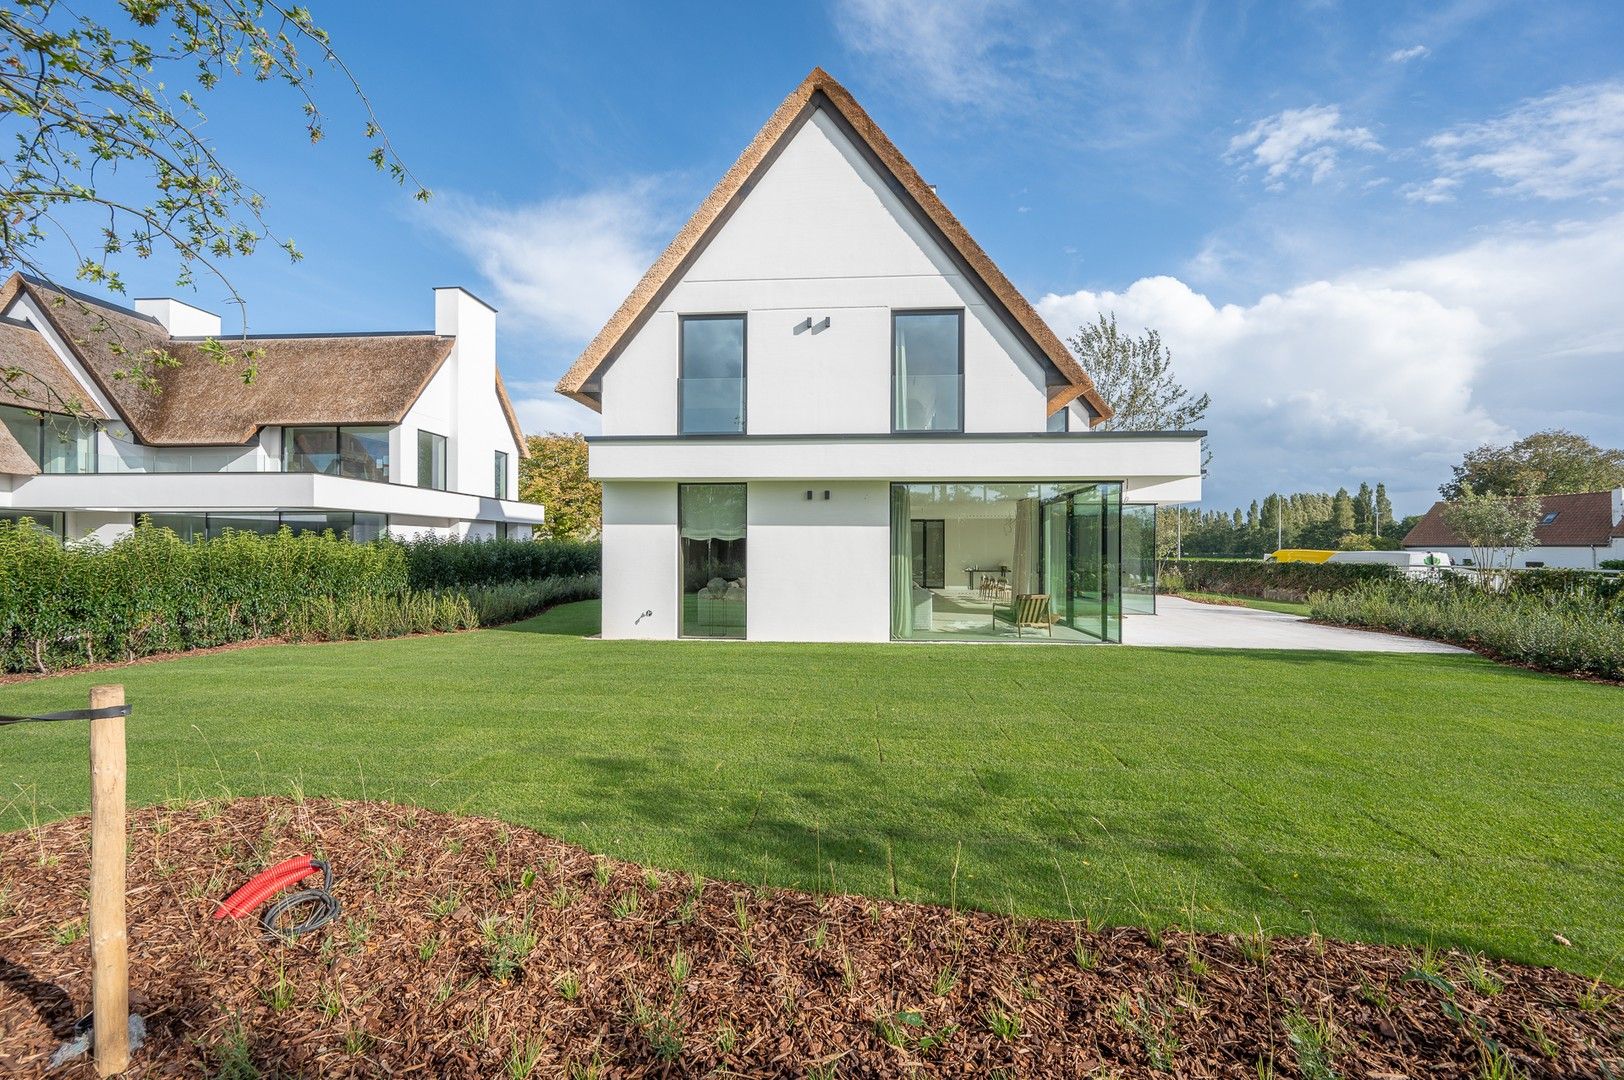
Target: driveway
column 1187, row 624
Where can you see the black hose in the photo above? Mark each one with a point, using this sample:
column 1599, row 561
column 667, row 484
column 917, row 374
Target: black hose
column 323, row 904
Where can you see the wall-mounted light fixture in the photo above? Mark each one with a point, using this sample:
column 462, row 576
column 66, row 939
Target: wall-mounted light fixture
column 825, row 494
column 808, row 494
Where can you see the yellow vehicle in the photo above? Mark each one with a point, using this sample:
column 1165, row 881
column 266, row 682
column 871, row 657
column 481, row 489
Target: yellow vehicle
column 1299, row 555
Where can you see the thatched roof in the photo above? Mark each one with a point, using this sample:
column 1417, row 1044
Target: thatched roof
column 14, row 460
column 302, row 379
column 33, row 376
column 819, row 89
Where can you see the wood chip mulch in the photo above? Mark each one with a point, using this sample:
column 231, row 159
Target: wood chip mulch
column 470, row 948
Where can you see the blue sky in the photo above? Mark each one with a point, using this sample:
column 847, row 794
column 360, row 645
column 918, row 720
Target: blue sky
column 1377, row 234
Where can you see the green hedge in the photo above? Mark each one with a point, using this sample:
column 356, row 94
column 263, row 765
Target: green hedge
column 1603, row 591
column 1273, row 581
column 1546, row 631
column 381, row 615
column 449, row 564
column 68, row 605
column 495, row 604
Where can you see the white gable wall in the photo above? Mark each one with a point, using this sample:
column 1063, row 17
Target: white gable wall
column 819, row 236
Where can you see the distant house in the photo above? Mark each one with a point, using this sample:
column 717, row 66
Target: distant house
column 400, row 433
column 1574, row 531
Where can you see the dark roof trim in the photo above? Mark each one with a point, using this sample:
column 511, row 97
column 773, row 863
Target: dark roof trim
column 918, row 436
column 310, row 334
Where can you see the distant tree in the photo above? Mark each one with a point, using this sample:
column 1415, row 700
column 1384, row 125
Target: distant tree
column 1354, row 542
column 1495, row 527
column 1553, row 462
column 109, row 146
column 555, row 475
column 1135, row 375
column 1364, row 509
column 1342, row 510
column 1384, row 509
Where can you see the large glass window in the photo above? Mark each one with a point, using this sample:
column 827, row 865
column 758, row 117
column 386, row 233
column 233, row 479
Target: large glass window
column 1139, row 558
column 927, row 369
column 57, row 443
column 711, row 525
column 44, row 520
column 711, row 375
column 430, row 460
column 1017, row 561
column 361, row 528
column 501, row 487
column 361, row 453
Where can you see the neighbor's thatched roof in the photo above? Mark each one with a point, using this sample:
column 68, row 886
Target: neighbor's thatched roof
column 816, row 90
column 14, row 460
column 33, row 376
column 314, row 379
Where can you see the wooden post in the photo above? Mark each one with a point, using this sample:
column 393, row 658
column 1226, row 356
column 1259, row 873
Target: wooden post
column 109, row 961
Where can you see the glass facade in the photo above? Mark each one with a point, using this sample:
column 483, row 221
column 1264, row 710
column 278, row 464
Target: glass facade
column 927, row 371
column 991, row 562
column 47, row 520
column 1139, row 558
column 361, row 528
column 361, row 453
column 430, row 460
column 711, row 365
column 56, row 443
column 711, row 526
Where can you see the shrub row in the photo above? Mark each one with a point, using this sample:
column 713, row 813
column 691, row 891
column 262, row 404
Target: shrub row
column 1546, row 632
column 381, row 615
column 1274, row 581
column 66, row 605
column 496, row 604
column 1602, row 591
column 450, row 564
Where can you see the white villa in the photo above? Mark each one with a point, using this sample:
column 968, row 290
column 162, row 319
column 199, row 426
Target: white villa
column 828, row 416
column 399, row 433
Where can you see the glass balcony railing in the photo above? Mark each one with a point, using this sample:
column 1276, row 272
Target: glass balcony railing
column 928, row 403
column 711, row 406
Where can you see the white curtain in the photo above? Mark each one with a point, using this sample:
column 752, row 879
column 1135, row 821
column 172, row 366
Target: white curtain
column 713, row 511
column 1025, row 565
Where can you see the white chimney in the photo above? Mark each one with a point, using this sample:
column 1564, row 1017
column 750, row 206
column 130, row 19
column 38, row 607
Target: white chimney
column 1618, row 506
column 460, row 314
column 180, row 319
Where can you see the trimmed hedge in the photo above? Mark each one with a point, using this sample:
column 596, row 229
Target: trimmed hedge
column 1602, row 591
column 1543, row 631
column 448, row 564
column 1271, row 581
column 68, row 605
column 496, row 604
column 381, row 615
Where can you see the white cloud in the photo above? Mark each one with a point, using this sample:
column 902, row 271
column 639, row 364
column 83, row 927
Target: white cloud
column 562, row 266
column 1404, row 56
column 1398, row 368
column 1440, row 189
column 541, row 410
column 951, row 47
column 1296, row 142
column 1566, row 144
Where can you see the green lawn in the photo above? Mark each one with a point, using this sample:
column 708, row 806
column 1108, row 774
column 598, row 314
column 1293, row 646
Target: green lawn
column 1404, row 798
column 1287, row 607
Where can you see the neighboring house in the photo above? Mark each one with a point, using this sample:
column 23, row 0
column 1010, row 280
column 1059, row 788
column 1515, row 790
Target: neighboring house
column 1574, row 531
column 828, row 416
column 365, row 434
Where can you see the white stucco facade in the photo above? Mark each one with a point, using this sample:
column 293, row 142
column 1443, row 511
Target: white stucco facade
column 818, row 256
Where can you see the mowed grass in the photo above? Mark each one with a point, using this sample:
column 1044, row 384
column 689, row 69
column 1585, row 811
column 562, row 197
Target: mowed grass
column 1285, row 607
column 1400, row 798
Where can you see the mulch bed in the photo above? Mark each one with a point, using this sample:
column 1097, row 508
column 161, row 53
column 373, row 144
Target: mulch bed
column 471, row 948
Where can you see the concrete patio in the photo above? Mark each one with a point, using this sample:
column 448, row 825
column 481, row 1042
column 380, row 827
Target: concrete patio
column 1187, row 624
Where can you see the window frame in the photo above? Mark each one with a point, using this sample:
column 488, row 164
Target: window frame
column 895, row 312
column 744, row 368
column 500, row 488
column 338, row 431
column 445, row 461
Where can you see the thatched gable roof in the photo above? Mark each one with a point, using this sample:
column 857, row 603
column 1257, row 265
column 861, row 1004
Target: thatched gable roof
column 32, row 376
column 303, row 379
column 14, row 460
column 820, row 89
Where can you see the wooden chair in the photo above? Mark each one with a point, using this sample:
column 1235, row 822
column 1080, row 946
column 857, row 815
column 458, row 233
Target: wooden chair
column 1032, row 609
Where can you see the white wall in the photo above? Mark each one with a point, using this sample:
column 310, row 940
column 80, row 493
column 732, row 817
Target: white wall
column 639, row 560
column 822, row 236
column 1566, row 558
column 819, row 570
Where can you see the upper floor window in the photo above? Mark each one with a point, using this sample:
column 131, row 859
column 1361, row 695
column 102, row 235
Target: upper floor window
column 501, row 488
column 430, row 460
column 57, row 443
column 361, row 453
column 1060, row 421
column 927, row 369
column 710, row 370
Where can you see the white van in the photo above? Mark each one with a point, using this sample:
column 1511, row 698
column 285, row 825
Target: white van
column 1417, row 563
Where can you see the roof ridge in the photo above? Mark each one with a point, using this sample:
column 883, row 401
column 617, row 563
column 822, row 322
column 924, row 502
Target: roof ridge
column 711, row 213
